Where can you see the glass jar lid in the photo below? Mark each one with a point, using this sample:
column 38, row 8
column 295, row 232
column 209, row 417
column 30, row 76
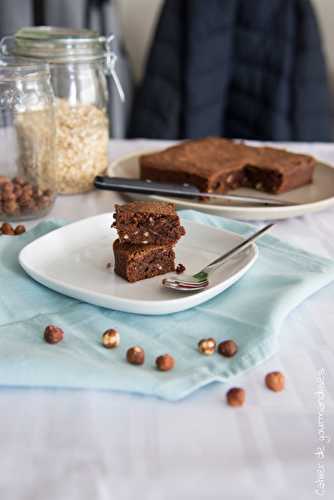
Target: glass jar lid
column 54, row 43
column 16, row 68
column 63, row 45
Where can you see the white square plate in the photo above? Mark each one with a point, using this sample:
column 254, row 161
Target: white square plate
column 73, row 261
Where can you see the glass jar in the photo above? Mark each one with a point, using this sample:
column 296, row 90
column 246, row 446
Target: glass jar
column 79, row 62
column 27, row 130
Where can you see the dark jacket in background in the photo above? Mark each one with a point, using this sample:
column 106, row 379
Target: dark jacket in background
column 238, row 68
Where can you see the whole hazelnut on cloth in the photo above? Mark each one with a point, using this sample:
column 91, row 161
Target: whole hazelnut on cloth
column 53, row 334
column 165, row 362
column 7, row 229
column 228, row 348
column 20, row 229
column 207, row 346
column 275, row 381
column 235, row 396
column 111, row 339
column 135, row 355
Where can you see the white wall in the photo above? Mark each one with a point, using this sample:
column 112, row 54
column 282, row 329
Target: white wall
column 325, row 11
column 138, row 18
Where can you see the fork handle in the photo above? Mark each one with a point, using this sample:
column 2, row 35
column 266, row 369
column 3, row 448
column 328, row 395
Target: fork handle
column 234, row 251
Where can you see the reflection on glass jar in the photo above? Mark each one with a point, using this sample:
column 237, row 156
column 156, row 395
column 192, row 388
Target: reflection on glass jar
column 79, row 61
column 27, row 131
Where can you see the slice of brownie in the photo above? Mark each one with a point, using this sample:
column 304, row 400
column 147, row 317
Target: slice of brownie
column 148, row 222
column 279, row 171
column 217, row 165
column 139, row 262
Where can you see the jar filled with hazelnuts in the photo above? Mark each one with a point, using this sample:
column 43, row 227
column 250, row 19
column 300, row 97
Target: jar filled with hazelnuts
column 27, row 131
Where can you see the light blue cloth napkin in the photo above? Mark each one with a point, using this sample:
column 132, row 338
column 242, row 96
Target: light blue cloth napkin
column 251, row 312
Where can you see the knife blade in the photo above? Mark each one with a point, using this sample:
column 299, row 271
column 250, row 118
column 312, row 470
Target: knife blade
column 128, row 185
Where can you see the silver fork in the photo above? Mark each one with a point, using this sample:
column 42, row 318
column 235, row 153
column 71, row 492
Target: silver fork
column 200, row 280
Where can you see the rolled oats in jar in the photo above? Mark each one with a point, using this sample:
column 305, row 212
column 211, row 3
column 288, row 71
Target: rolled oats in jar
column 79, row 61
column 81, row 145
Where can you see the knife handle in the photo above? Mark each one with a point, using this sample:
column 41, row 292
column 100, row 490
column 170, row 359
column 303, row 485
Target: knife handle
column 123, row 184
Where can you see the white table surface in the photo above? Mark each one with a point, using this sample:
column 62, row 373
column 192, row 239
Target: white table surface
column 89, row 445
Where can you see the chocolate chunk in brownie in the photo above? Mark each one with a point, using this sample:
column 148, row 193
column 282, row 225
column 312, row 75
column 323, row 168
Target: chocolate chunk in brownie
column 217, row 165
column 139, row 262
column 148, row 222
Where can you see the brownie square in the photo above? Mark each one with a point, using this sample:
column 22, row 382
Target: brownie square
column 139, row 262
column 146, row 223
column 218, row 165
column 278, row 171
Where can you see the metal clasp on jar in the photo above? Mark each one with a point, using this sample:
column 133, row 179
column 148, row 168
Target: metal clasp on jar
column 4, row 46
column 110, row 65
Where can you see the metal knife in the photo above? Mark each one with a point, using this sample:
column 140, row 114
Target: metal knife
column 128, row 185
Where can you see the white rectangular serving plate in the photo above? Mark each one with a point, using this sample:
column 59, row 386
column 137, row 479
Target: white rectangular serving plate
column 73, row 261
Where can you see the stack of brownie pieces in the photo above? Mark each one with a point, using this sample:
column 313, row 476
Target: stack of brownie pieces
column 147, row 233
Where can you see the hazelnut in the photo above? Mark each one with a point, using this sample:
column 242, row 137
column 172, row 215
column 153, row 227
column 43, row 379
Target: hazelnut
column 228, row 348
column 28, row 190
column 135, row 355
column 23, row 199
column 17, row 190
column 19, row 181
column 275, row 381
column 207, row 346
column 7, row 187
column 235, row 396
column 111, row 339
column 165, row 362
column 7, row 229
column 43, row 201
column 8, row 196
column 53, row 334
column 20, row 229
column 27, row 205
column 10, row 207
column 3, row 180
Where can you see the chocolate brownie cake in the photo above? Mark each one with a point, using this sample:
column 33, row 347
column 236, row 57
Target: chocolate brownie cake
column 148, row 222
column 217, row 165
column 139, row 262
